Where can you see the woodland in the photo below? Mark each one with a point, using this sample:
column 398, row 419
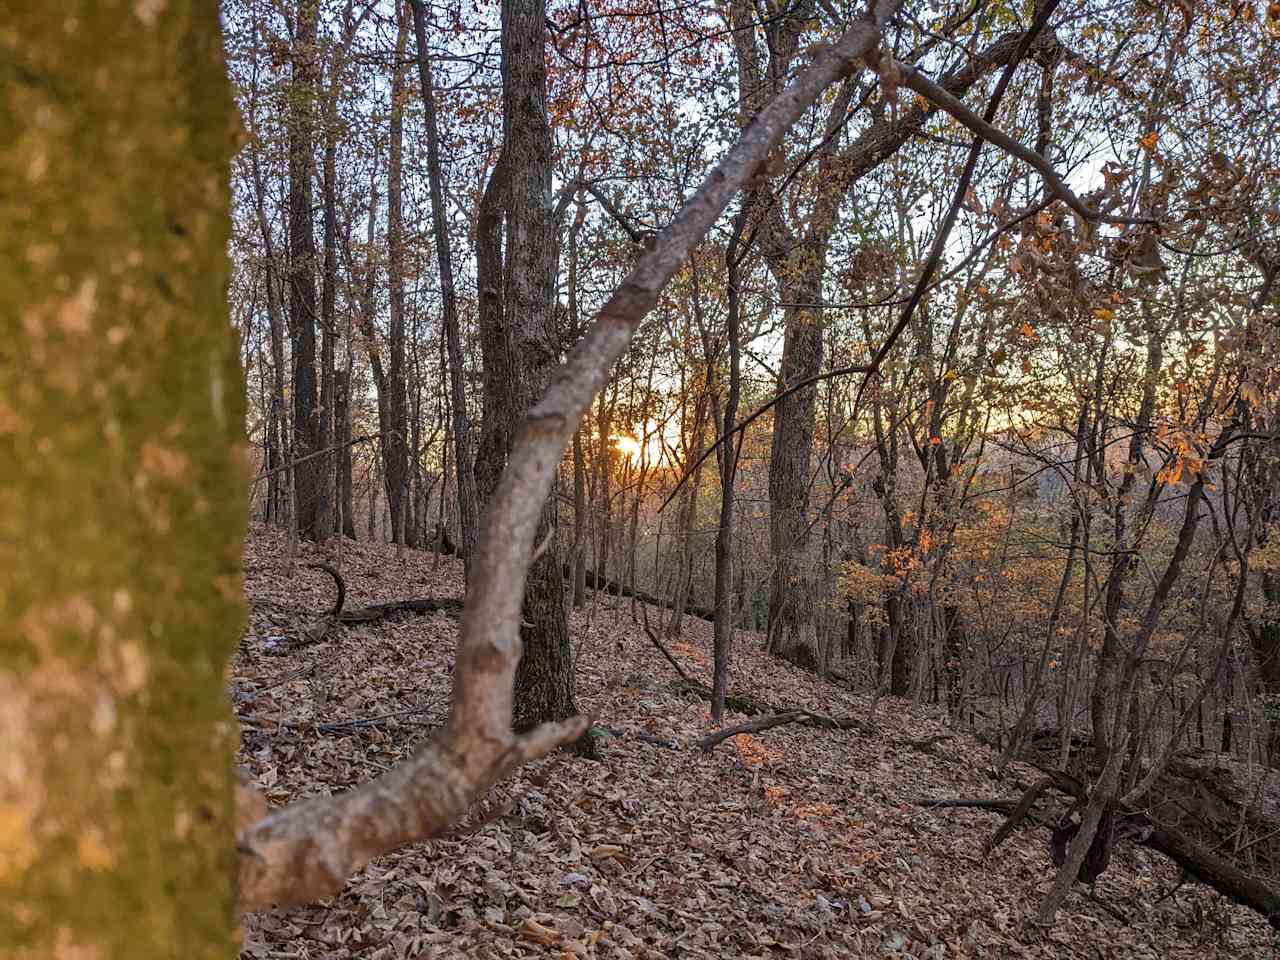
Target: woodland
column 568, row 478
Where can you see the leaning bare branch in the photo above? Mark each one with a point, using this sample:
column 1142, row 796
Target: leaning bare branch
column 308, row 850
column 1100, row 798
column 1017, row 814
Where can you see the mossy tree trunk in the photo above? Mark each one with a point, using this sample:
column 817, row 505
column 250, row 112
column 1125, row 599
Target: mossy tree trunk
column 122, row 499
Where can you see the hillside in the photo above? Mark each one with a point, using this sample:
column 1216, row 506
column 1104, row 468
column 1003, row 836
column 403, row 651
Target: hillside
column 798, row 842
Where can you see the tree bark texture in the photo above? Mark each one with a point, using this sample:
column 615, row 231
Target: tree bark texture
column 122, row 501
column 793, row 585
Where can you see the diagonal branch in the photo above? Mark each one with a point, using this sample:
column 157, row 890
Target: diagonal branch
column 937, row 95
column 308, row 850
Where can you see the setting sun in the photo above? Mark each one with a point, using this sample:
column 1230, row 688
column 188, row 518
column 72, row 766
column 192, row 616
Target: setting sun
column 628, row 446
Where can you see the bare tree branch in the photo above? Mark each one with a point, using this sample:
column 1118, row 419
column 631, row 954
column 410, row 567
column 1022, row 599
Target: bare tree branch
column 994, row 135
column 772, row 720
column 309, row 849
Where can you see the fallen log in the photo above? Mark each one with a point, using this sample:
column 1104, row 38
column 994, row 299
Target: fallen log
column 1237, row 885
column 317, row 631
column 760, row 724
column 382, row 718
column 707, row 743
column 604, row 585
column 1216, row 872
column 341, row 585
column 834, row 723
column 377, row 611
column 610, row 733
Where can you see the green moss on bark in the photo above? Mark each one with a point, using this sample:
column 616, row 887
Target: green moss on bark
column 121, row 498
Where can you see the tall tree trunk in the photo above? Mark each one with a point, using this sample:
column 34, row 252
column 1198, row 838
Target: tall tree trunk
column 702, row 411
column 271, row 511
column 579, row 523
column 899, row 648
column 580, row 514
column 544, row 681
column 374, row 482
column 302, row 268
column 395, row 433
column 688, row 516
column 1102, row 701
column 326, row 485
column 278, row 420
column 413, row 515
column 798, row 261
column 1265, row 640
column 365, row 319
column 121, row 595
column 603, row 495
column 331, row 466
column 342, row 416
column 723, row 627
column 497, row 360
column 1261, row 491
column 468, row 507
column 793, row 588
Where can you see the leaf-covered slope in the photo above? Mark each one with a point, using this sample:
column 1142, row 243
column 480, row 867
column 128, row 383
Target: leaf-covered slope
column 797, row 843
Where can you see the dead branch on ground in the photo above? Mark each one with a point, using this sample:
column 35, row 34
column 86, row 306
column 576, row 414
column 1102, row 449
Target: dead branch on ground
column 377, row 611
column 760, row 724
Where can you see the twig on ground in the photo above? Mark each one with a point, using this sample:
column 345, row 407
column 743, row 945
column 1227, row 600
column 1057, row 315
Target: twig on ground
column 371, row 721
column 653, row 638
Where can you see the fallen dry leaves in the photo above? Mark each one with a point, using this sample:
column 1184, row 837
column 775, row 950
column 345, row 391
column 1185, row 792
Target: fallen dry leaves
column 794, row 843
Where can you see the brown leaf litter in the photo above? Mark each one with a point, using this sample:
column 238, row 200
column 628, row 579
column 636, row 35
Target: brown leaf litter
column 796, row 843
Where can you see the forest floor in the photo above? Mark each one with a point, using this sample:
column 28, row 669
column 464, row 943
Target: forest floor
column 797, row 842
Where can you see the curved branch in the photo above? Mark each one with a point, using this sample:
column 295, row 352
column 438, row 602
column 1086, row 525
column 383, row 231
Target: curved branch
column 338, row 582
